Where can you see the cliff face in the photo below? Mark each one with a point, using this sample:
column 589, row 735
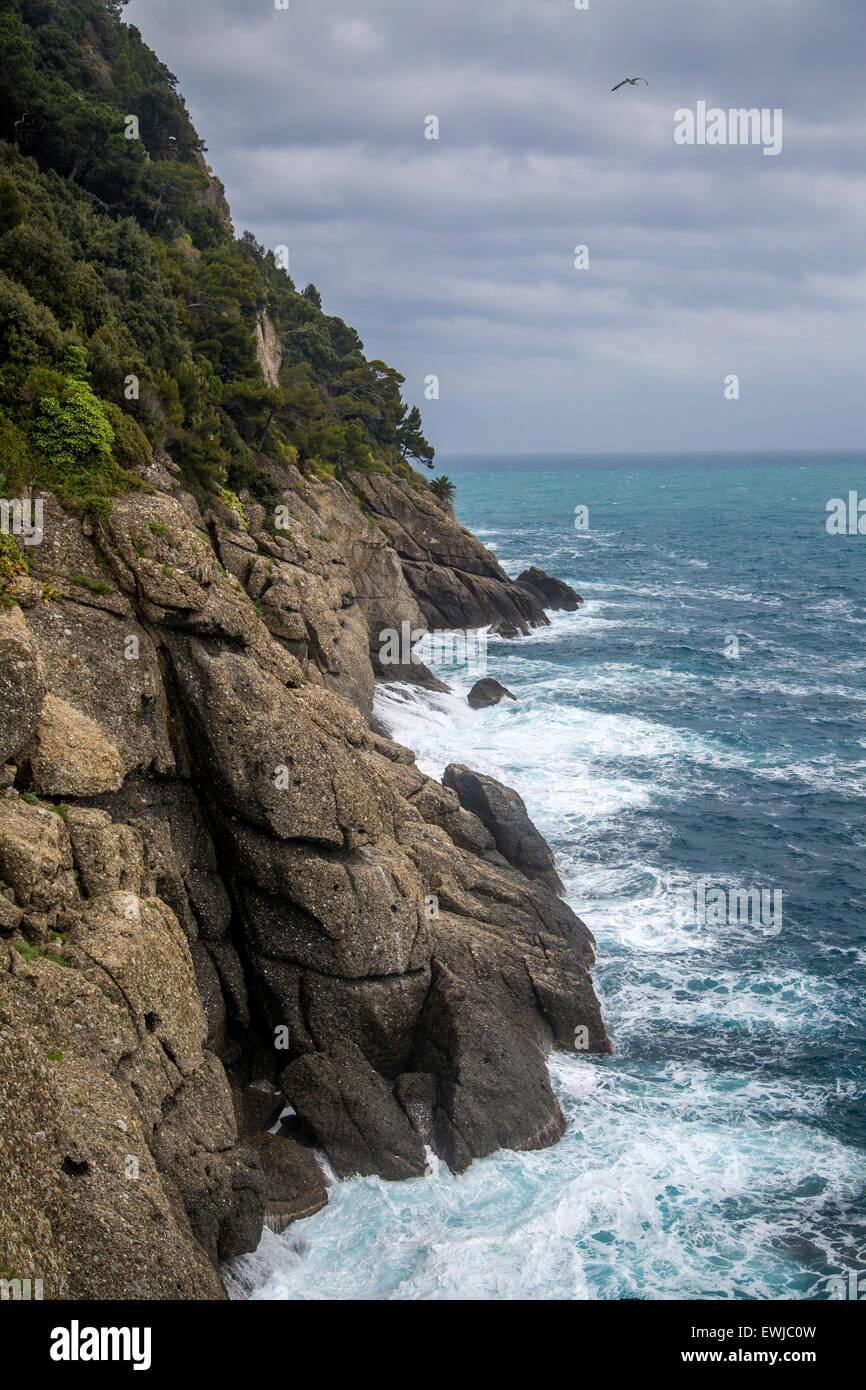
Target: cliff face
column 219, row 883
column 222, row 890
column 456, row 580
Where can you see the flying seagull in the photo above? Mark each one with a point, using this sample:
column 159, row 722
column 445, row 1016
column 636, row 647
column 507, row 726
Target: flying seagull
column 632, row 81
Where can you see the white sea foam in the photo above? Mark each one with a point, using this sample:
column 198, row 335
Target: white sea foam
column 661, row 1196
column 675, row 1179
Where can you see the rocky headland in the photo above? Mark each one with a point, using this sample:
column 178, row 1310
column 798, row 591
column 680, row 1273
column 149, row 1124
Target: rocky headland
column 223, row 893
column 238, row 925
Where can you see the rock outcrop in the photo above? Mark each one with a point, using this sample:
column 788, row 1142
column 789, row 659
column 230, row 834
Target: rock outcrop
column 222, row 891
column 486, row 693
column 551, row 593
column 455, row 580
column 504, row 814
column 239, row 927
column 353, row 1111
column 269, row 351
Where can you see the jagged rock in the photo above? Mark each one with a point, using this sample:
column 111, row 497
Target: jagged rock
column 353, row 1113
column 503, row 994
column 551, row 593
column 350, row 916
column 295, row 1184
column 462, row 1040
column 487, row 692
column 455, row 581
column 36, row 857
column 21, row 686
column 128, row 1125
column 84, row 653
column 69, row 755
column 10, row 914
column 441, row 806
column 218, row 1178
column 173, row 565
column 407, row 673
column 504, row 814
column 107, row 856
column 257, row 1106
column 315, row 882
column 263, row 756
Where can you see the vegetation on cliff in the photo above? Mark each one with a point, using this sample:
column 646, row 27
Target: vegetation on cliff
column 129, row 310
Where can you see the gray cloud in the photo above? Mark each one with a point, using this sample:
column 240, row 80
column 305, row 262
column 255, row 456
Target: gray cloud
column 456, row 256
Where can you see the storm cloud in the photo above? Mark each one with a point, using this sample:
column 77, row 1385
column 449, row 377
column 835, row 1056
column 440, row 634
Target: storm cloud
column 455, row 256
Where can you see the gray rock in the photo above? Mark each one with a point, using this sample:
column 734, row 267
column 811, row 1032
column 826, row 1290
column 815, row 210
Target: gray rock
column 401, row 934
column 552, row 593
column 21, row 687
column 503, row 812
column 295, row 1184
column 352, row 1111
column 492, row 1086
column 416, row 1092
column 454, row 580
column 257, row 1106
column 487, row 692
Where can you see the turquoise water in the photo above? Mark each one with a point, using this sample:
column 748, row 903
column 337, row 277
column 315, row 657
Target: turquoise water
column 720, row 1152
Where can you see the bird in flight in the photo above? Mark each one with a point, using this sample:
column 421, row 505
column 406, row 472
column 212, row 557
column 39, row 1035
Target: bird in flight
column 632, row 81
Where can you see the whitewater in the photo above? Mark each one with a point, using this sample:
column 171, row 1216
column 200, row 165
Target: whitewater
column 719, row 1153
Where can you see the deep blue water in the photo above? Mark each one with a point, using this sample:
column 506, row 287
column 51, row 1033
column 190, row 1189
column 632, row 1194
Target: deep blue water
column 720, row 1152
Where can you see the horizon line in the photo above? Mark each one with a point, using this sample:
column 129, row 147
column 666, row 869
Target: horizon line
column 642, row 453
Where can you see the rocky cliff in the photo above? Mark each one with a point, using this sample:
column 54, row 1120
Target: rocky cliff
column 226, row 896
column 222, row 893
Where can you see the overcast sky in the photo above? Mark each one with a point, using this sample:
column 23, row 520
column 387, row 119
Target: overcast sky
column 456, row 257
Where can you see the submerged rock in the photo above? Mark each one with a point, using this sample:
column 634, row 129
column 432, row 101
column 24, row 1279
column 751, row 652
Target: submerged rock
column 487, row 692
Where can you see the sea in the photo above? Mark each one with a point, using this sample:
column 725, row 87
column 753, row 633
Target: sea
column 693, row 736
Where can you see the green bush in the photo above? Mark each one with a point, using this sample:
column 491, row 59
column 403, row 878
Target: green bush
column 73, row 438
column 119, row 262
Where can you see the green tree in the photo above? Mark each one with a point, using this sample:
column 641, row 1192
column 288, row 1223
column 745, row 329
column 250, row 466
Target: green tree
column 411, row 441
column 13, row 208
column 443, row 488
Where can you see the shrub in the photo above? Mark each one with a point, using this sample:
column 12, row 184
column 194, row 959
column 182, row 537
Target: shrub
column 12, row 563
